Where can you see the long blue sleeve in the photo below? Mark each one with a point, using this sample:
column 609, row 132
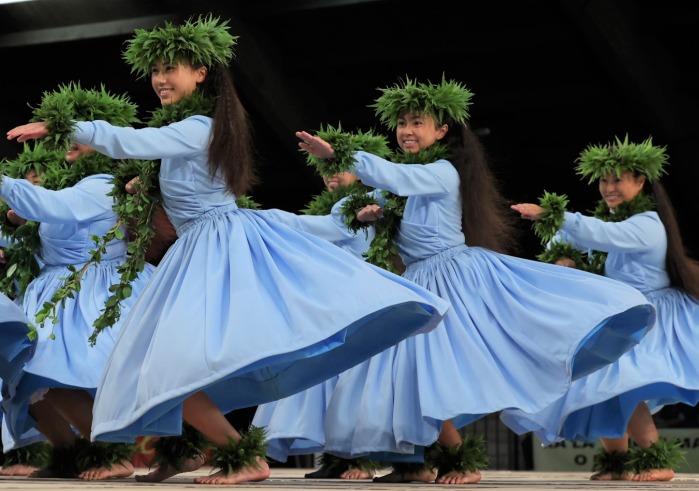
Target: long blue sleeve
column 86, row 201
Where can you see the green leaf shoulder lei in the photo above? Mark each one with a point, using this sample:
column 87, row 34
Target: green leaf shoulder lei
column 592, row 261
column 195, row 104
column 63, row 175
column 135, row 212
column 322, row 204
column 355, row 193
column 382, row 247
column 554, row 206
column 345, row 145
column 640, row 204
column 55, row 174
column 559, row 250
column 60, row 109
column 21, row 266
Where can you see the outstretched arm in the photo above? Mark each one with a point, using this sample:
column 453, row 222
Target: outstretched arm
column 28, row 131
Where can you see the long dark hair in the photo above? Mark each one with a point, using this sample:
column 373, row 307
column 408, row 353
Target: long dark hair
column 682, row 270
column 486, row 218
column 231, row 147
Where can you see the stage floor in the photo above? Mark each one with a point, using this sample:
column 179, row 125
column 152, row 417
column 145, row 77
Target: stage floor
column 288, row 479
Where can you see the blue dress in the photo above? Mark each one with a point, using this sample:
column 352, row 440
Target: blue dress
column 662, row 369
column 241, row 306
column 69, row 218
column 294, row 425
column 517, row 334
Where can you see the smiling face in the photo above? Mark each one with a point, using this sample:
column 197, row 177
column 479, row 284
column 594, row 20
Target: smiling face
column 173, row 82
column 617, row 190
column 417, row 131
column 340, row 179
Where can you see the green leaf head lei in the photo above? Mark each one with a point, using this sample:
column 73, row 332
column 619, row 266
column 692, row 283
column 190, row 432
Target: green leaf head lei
column 34, row 157
column 201, row 42
column 594, row 162
column 71, row 102
column 616, row 158
column 448, row 98
column 60, row 109
column 622, row 155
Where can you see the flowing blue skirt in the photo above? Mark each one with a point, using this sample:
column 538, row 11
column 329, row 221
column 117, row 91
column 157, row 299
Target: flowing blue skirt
column 68, row 360
column 663, row 369
column 249, row 311
column 518, row 333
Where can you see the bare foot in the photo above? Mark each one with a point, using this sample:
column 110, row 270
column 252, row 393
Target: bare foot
column 608, row 476
column 455, row 477
column 655, row 475
column 421, row 476
column 353, row 474
column 252, row 473
column 125, row 469
column 165, row 471
column 18, row 470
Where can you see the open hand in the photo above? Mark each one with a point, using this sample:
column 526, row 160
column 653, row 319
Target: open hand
column 28, row 131
column 529, row 211
column 315, row 145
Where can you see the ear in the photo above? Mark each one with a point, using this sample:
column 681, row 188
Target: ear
column 641, row 180
column 442, row 131
column 201, row 74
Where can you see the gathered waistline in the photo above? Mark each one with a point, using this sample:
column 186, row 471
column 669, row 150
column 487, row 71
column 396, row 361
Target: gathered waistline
column 439, row 257
column 208, row 215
